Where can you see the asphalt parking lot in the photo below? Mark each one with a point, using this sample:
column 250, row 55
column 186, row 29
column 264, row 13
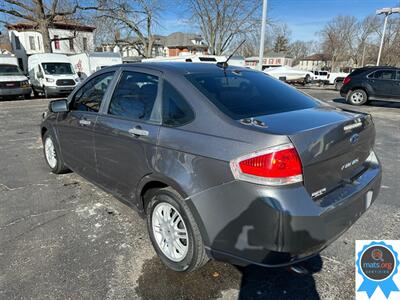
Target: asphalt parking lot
column 63, row 238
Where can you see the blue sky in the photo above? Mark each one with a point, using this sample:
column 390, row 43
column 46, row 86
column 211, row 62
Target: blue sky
column 304, row 17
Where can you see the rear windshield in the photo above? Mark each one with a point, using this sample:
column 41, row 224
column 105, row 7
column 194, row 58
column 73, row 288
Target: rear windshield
column 58, row 68
column 10, row 70
column 247, row 94
column 357, row 72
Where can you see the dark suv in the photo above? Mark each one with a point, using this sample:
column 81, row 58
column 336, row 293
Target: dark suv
column 371, row 83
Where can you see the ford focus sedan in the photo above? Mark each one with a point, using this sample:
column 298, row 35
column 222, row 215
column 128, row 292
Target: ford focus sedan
column 223, row 162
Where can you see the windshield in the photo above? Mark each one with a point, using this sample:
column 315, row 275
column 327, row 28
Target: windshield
column 244, row 94
column 57, row 68
column 10, row 70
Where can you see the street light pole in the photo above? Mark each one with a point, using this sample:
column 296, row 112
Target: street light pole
column 386, row 12
column 262, row 38
column 382, row 40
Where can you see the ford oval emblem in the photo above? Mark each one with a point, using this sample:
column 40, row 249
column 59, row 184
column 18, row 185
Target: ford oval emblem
column 354, row 138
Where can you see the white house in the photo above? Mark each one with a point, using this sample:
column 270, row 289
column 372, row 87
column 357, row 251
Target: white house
column 67, row 38
column 174, row 44
column 314, row 62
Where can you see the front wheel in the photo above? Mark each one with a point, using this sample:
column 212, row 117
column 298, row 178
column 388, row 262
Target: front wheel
column 52, row 155
column 357, row 97
column 173, row 231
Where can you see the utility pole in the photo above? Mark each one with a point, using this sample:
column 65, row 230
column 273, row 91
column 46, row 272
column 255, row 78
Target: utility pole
column 387, row 12
column 262, row 39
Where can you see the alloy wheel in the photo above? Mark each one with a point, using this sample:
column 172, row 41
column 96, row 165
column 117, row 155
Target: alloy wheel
column 50, row 152
column 170, row 232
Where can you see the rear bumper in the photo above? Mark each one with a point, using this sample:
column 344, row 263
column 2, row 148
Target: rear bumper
column 344, row 90
column 243, row 223
column 56, row 90
column 15, row 91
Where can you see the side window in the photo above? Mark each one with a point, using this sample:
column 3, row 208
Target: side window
column 398, row 75
column 89, row 97
column 134, row 96
column 175, row 110
column 385, row 74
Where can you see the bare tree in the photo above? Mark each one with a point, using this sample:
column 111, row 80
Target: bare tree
column 134, row 20
column 338, row 37
column 300, row 49
column 391, row 46
column 42, row 14
column 223, row 21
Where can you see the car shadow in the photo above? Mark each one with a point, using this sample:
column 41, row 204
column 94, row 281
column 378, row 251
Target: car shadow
column 381, row 103
column 280, row 283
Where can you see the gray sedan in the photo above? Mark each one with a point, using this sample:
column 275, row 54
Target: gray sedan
column 224, row 162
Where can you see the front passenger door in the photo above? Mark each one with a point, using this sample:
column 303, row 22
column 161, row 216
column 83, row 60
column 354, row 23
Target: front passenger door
column 75, row 128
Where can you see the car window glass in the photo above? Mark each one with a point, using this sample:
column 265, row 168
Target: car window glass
column 247, row 94
column 89, row 97
column 398, row 75
column 175, row 110
column 134, row 96
column 384, row 74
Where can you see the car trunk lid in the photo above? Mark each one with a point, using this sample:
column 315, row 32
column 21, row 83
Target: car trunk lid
column 332, row 144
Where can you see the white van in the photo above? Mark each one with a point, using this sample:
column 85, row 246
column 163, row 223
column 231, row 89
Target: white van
column 51, row 74
column 210, row 59
column 13, row 82
column 86, row 64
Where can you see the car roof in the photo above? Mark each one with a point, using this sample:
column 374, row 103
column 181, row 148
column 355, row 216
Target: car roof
column 184, row 67
column 377, row 68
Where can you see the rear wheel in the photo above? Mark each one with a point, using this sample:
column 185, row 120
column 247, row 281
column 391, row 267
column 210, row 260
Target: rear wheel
column 52, row 154
column 35, row 93
column 173, row 231
column 357, row 97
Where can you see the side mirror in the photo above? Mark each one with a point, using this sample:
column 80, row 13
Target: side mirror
column 39, row 75
column 57, row 106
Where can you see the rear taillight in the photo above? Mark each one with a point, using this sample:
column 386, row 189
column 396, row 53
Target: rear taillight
column 279, row 165
column 346, row 80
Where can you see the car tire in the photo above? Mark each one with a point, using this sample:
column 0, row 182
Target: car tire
column 357, row 97
column 190, row 255
column 52, row 154
column 45, row 93
column 35, row 93
column 307, row 79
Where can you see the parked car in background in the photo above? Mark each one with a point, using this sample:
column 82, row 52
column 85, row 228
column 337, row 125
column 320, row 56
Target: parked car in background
column 336, row 79
column 197, row 58
column 51, row 74
column 224, row 162
column 290, row 75
column 13, row 82
column 86, row 64
column 372, row 83
column 320, row 76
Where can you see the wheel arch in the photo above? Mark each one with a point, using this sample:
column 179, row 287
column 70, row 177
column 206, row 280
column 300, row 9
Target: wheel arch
column 43, row 130
column 155, row 181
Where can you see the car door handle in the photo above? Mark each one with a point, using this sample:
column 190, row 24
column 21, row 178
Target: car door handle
column 84, row 122
column 138, row 131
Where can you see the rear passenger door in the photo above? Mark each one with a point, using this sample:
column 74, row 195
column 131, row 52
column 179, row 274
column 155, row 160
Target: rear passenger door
column 382, row 82
column 127, row 131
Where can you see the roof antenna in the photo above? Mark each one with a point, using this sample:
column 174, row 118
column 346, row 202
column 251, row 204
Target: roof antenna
column 224, row 64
